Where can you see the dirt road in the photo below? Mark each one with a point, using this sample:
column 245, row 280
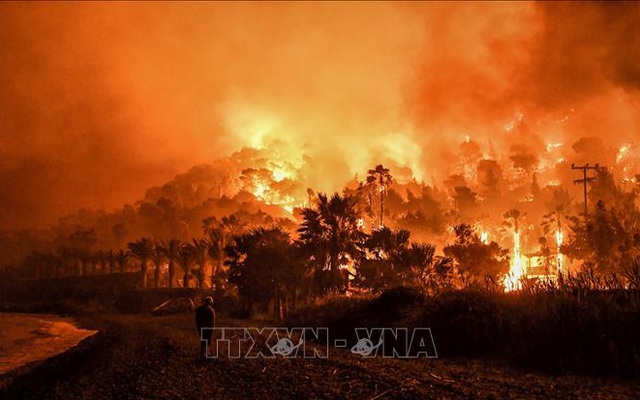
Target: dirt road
column 137, row 357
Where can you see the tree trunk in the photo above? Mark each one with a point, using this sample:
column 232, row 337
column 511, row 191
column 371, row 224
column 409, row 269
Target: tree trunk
column 143, row 274
column 214, row 270
column 172, row 273
column 185, row 279
column 200, row 276
column 156, row 276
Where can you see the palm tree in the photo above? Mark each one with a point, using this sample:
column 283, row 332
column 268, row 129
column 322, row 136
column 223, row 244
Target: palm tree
column 122, row 258
column 172, row 252
column 266, row 268
column 200, row 250
column 83, row 241
column 215, row 251
column 111, row 259
column 142, row 249
column 418, row 259
column 102, row 259
column 330, row 236
column 231, row 226
column 393, row 260
column 210, row 224
column 513, row 214
column 158, row 258
column 67, row 258
column 185, row 259
column 381, row 178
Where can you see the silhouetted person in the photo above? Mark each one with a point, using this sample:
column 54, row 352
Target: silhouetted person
column 205, row 318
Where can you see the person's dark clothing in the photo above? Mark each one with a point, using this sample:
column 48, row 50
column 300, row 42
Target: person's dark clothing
column 205, row 317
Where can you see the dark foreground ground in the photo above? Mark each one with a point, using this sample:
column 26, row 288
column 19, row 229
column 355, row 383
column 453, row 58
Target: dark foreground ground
column 144, row 357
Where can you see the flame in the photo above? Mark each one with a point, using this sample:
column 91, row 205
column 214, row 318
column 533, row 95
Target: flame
column 553, row 182
column 265, row 193
column 511, row 125
column 484, row 237
column 553, row 145
column 623, row 152
column 513, row 280
column 560, row 256
column 261, row 191
column 349, row 266
column 280, row 174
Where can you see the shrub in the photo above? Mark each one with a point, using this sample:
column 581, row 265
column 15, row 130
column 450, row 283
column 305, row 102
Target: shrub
column 574, row 329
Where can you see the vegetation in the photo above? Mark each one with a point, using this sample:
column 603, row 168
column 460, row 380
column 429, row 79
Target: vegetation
column 580, row 325
column 348, row 247
column 274, row 264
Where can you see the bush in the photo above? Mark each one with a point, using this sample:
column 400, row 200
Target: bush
column 592, row 332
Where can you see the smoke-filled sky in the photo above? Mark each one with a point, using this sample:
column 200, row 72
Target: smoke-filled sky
column 102, row 100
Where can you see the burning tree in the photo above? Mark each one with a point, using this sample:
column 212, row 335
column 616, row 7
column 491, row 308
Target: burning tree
column 513, row 280
column 554, row 222
column 379, row 178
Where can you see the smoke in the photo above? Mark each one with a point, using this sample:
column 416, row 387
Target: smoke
column 101, row 101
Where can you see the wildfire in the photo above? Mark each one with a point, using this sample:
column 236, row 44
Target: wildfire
column 483, row 234
column 484, row 237
column 552, row 146
column 622, row 153
column 511, row 125
column 559, row 241
column 513, row 280
column 261, row 191
column 553, row 182
column 279, row 174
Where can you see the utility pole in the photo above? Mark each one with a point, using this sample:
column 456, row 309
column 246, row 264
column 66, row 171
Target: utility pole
column 585, row 180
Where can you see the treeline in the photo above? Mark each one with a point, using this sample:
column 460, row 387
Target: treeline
column 275, row 270
column 349, row 242
column 270, row 270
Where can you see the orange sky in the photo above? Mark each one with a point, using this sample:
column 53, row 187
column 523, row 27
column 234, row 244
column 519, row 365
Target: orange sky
column 100, row 101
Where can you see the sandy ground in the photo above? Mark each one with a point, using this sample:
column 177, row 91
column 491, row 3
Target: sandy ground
column 135, row 357
column 26, row 338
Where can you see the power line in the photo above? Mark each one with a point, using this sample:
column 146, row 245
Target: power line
column 585, row 180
